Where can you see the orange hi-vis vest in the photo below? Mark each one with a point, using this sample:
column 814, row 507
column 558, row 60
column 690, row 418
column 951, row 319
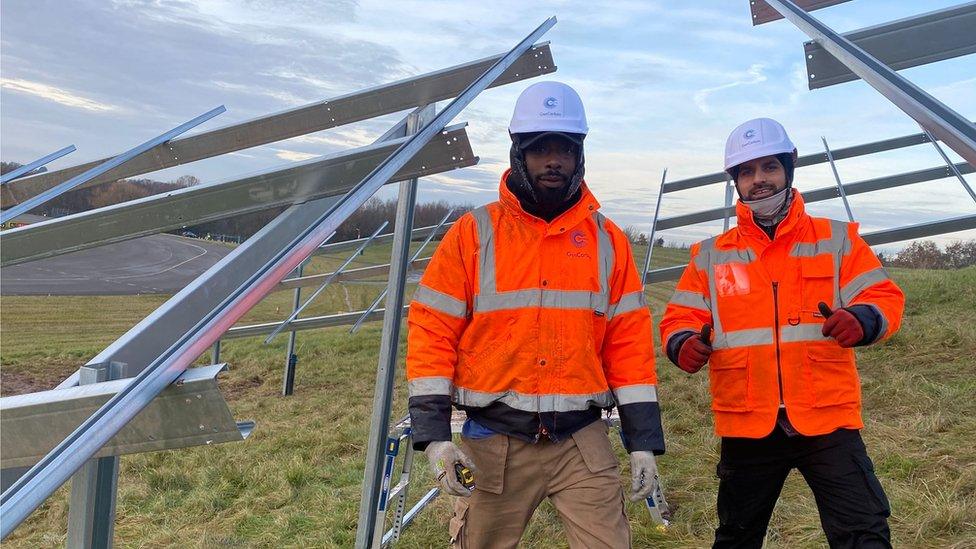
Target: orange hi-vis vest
column 538, row 316
column 761, row 298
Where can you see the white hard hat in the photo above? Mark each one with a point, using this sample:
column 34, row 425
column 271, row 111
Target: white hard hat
column 549, row 107
column 755, row 139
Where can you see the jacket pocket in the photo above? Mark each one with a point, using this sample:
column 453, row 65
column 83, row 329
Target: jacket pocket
column 817, row 281
column 593, row 442
column 834, row 376
column 489, row 455
column 728, row 374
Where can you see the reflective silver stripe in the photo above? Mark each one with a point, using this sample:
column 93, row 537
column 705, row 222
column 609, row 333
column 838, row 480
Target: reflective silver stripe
column 689, row 299
column 628, row 303
column 442, row 302
column 426, row 386
column 631, row 394
column 486, row 256
column 716, row 257
column 801, row 332
column 743, row 338
column 550, row 299
column 836, row 244
column 534, row 403
column 861, row 282
column 604, row 253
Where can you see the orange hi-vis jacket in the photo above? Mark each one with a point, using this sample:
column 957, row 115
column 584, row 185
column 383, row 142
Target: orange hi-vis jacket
column 521, row 320
column 761, row 298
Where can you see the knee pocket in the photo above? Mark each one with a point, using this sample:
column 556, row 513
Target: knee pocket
column 866, row 467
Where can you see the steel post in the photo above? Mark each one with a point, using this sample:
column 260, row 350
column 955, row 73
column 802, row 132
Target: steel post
column 91, row 507
column 291, row 360
column 729, row 185
column 650, row 239
column 952, row 166
column 370, row 505
column 840, row 185
column 215, row 353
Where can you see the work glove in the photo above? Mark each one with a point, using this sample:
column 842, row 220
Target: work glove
column 442, row 455
column 695, row 350
column 841, row 325
column 643, row 473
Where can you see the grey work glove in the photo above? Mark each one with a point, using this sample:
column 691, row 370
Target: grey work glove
column 442, row 455
column 643, row 471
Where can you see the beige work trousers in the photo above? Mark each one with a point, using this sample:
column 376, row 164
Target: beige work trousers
column 579, row 475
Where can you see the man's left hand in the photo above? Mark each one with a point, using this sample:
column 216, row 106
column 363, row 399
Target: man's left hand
column 643, row 470
column 843, row 327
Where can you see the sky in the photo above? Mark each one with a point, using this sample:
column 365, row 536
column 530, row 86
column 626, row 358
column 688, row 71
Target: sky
column 663, row 83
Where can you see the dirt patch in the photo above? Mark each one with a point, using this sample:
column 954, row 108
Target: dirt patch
column 234, row 389
column 18, row 382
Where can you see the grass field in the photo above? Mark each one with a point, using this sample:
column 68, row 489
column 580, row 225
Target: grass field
column 296, row 481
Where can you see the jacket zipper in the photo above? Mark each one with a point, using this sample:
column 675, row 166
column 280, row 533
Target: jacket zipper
column 779, row 368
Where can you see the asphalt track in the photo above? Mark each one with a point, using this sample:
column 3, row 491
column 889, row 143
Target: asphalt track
column 157, row 264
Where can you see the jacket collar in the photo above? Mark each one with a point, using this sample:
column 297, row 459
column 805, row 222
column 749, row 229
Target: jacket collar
column 748, row 226
column 585, row 207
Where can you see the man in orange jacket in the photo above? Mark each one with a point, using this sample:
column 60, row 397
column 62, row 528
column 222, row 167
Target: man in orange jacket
column 783, row 298
column 531, row 318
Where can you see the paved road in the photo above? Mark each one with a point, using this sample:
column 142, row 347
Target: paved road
column 157, row 264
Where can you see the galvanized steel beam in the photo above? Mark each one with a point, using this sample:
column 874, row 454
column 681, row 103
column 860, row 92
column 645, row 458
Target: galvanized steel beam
column 328, row 176
column 32, row 424
column 944, row 123
column 874, row 238
column 909, row 42
column 827, row 193
column 40, row 198
column 418, row 233
column 345, row 275
column 763, row 13
column 809, row 160
column 31, row 166
column 360, row 105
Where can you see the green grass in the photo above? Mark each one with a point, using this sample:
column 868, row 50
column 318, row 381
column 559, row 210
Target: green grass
column 296, row 481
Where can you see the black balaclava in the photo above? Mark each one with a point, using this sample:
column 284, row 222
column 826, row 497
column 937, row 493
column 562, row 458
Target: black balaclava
column 518, row 179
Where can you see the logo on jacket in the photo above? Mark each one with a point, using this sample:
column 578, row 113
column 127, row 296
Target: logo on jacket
column 550, row 102
column 578, row 238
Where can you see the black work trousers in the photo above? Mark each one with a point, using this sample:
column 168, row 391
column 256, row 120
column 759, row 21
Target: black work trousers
column 853, row 506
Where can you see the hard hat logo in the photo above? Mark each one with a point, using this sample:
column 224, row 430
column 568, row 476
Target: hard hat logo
column 749, row 134
column 550, row 102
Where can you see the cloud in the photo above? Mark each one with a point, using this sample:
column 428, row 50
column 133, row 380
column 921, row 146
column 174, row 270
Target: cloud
column 293, row 156
column 57, row 95
column 754, row 75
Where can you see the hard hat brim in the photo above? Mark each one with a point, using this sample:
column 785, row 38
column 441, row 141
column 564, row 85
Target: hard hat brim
column 527, row 139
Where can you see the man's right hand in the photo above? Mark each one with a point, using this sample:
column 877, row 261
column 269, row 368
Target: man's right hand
column 442, row 455
column 695, row 351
